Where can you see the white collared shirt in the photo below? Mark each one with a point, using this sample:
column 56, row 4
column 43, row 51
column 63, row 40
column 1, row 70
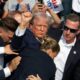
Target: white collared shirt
column 7, row 72
column 60, row 59
column 20, row 32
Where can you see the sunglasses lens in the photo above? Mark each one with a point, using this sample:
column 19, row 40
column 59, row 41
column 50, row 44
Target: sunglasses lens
column 71, row 30
column 66, row 28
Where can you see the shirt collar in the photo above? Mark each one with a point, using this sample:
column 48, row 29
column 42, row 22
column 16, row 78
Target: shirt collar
column 66, row 44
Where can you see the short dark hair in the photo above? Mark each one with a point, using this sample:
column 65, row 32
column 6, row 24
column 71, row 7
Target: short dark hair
column 73, row 17
column 9, row 24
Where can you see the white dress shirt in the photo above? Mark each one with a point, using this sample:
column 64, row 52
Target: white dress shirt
column 20, row 32
column 7, row 72
column 61, row 58
column 1, row 50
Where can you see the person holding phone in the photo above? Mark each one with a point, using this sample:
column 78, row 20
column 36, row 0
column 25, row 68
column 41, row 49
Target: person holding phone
column 17, row 5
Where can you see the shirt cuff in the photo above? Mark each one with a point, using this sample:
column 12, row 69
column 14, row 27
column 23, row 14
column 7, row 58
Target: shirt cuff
column 20, row 32
column 1, row 50
column 7, row 72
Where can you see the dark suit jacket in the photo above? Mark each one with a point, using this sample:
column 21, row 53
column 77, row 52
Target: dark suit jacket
column 28, row 40
column 35, row 62
column 2, row 75
column 72, row 66
column 1, row 42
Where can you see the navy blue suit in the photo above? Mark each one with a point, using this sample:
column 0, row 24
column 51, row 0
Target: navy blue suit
column 35, row 62
column 28, row 40
column 2, row 75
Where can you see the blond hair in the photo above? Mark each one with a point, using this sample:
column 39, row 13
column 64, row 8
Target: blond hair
column 50, row 43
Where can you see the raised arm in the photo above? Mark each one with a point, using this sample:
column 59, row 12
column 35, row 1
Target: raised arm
column 19, row 34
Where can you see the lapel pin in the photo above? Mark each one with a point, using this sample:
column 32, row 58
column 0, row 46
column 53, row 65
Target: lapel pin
column 74, row 52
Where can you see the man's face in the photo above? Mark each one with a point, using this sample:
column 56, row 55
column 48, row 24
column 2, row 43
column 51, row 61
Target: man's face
column 40, row 27
column 70, row 30
column 6, row 35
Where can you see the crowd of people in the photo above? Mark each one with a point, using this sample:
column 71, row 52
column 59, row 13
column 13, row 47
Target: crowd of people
column 40, row 40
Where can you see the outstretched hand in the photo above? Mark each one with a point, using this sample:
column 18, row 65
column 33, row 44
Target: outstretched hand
column 25, row 18
column 32, row 77
column 8, row 50
column 14, row 63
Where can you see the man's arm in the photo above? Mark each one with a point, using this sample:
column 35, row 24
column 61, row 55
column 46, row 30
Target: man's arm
column 2, row 75
column 6, row 11
column 10, row 68
column 32, row 77
column 19, row 34
column 54, row 16
column 7, row 50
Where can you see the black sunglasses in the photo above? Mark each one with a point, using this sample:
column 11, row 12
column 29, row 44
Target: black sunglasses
column 71, row 30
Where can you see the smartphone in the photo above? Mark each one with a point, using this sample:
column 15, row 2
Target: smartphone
column 41, row 1
column 28, row 7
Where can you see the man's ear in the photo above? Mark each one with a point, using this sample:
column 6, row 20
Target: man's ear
column 10, row 34
column 78, row 32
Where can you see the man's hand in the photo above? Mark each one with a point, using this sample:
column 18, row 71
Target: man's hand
column 25, row 18
column 7, row 50
column 32, row 77
column 14, row 63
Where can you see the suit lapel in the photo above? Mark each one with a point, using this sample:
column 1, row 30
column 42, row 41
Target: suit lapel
column 71, row 57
